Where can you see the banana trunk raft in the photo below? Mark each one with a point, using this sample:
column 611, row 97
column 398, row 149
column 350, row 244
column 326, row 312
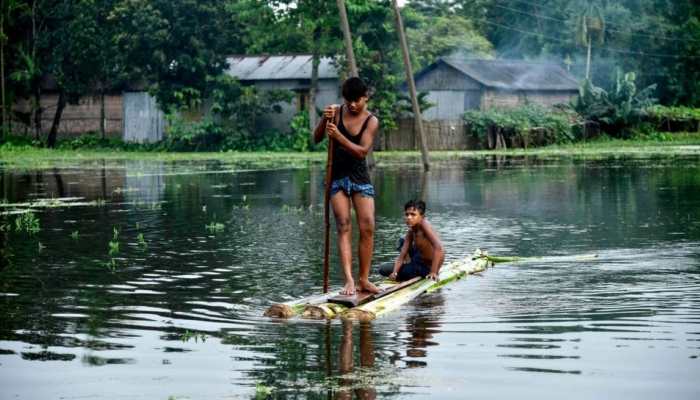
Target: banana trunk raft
column 318, row 307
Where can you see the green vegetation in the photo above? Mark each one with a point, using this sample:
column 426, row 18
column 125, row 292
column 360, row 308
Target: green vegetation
column 214, row 227
column 187, row 335
column 616, row 111
column 74, row 235
column 530, row 124
column 111, row 264
column 263, row 391
column 141, row 240
column 674, row 113
column 27, row 222
column 96, row 48
column 114, row 243
column 31, row 158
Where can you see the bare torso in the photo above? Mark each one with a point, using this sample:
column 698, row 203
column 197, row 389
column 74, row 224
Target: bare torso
column 423, row 245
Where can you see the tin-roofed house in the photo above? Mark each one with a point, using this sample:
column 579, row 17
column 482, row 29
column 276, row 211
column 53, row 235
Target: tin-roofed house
column 457, row 85
column 287, row 72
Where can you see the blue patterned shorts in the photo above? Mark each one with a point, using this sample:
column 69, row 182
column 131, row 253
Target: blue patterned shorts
column 349, row 187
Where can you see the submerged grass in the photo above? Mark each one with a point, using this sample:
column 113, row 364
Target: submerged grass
column 27, row 157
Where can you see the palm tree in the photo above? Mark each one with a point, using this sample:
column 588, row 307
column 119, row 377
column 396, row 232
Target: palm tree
column 590, row 27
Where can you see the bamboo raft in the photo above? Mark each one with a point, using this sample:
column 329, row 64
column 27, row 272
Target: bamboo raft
column 319, row 306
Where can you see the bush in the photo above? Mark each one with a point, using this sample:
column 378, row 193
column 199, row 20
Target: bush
column 184, row 135
column 616, row 111
column 523, row 124
column 674, row 119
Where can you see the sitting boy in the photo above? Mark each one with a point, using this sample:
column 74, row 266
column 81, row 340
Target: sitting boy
column 421, row 244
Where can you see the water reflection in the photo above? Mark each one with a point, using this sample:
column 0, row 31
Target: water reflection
column 349, row 383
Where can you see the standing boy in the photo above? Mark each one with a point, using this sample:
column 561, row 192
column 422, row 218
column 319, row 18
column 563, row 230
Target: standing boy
column 352, row 128
column 421, row 244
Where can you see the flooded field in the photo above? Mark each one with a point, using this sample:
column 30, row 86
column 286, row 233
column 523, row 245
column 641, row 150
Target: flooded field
column 148, row 280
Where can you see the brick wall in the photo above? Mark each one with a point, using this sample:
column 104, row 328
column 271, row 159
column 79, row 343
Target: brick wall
column 510, row 99
column 440, row 135
column 76, row 119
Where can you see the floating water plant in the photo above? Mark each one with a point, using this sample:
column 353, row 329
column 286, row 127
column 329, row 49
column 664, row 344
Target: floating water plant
column 141, row 240
column 114, row 243
column 187, row 335
column 74, row 235
column 111, row 264
column 27, row 222
column 214, row 227
column 292, row 210
column 262, row 391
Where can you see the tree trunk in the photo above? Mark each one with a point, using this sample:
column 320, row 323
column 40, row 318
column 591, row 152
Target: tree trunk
column 36, row 81
column 51, row 141
column 588, row 59
column 103, row 118
column 350, row 54
column 2, row 74
column 315, row 61
column 347, row 38
column 36, row 110
column 411, row 86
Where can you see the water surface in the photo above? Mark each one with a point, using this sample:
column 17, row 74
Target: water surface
column 204, row 248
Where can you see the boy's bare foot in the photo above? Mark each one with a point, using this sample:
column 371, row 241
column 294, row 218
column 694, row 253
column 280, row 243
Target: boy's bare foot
column 349, row 289
column 367, row 286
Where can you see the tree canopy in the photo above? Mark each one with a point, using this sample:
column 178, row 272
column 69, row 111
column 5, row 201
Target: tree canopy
column 177, row 49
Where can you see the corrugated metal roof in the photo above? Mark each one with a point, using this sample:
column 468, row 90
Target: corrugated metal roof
column 256, row 68
column 515, row 74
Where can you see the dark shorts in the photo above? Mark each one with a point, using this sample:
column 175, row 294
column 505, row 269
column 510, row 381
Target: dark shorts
column 414, row 268
column 349, row 187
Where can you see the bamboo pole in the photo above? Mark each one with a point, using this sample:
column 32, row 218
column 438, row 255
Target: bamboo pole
column 350, row 55
column 451, row 272
column 369, row 311
column 347, row 38
column 411, row 86
column 326, row 216
column 295, row 307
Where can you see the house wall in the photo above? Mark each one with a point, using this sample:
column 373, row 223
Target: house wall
column 510, row 99
column 440, row 135
column 328, row 93
column 450, row 91
column 76, row 119
column 144, row 122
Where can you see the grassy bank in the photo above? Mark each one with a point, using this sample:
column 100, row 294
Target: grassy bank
column 32, row 157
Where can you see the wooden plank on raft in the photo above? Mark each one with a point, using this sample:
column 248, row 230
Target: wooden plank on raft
column 364, row 297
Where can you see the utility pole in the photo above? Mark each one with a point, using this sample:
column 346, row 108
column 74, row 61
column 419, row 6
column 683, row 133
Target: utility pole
column 347, row 38
column 350, row 55
column 411, row 87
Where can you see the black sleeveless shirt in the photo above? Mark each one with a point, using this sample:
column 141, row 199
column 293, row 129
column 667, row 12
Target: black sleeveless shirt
column 344, row 163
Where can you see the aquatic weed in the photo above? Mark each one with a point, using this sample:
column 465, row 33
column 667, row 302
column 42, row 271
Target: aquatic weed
column 111, row 264
column 187, row 335
column 141, row 240
column 27, row 222
column 114, row 243
column 74, row 235
column 214, row 227
column 263, row 391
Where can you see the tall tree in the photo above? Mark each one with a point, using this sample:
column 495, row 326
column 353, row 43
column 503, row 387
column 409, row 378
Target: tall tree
column 590, row 27
column 174, row 46
column 9, row 10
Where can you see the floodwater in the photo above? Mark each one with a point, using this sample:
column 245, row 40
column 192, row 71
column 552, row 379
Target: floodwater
column 175, row 311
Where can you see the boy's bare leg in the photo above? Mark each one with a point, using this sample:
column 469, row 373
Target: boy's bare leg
column 341, row 211
column 364, row 208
